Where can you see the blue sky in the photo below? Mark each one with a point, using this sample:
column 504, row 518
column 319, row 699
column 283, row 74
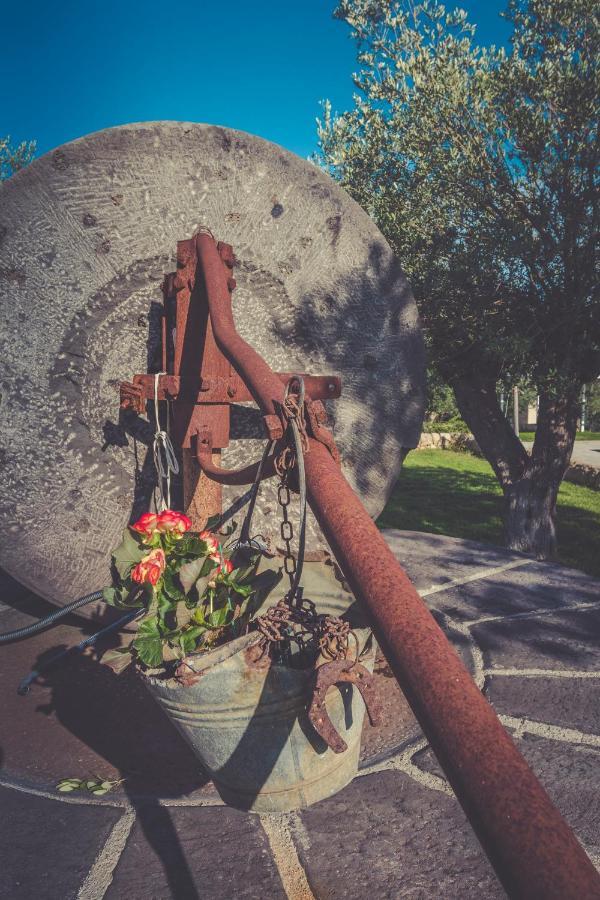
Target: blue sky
column 69, row 68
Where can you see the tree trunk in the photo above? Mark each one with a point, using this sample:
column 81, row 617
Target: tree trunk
column 530, row 513
column 530, row 483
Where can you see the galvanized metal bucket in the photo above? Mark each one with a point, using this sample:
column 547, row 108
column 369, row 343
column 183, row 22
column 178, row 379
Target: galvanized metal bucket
column 246, row 719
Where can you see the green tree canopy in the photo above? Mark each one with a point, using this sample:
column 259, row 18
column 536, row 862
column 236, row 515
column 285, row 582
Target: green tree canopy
column 480, row 165
column 13, row 157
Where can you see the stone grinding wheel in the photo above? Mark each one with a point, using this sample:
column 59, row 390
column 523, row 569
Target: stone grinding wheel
column 86, row 233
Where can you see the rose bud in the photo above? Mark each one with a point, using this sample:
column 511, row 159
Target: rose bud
column 173, row 522
column 150, row 568
column 212, row 545
column 226, row 567
column 146, row 525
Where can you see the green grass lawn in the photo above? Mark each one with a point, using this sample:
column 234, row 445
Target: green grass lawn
column 579, row 435
column 457, row 494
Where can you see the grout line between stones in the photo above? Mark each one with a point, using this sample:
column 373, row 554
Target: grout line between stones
column 546, row 673
column 100, row 876
column 523, row 726
column 480, row 575
column 570, row 607
column 279, row 829
column 404, row 762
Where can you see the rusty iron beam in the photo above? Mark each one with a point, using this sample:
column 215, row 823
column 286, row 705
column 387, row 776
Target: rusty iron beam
column 535, row 854
column 221, row 390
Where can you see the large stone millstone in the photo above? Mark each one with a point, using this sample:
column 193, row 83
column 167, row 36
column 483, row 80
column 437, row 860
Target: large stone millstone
column 86, row 233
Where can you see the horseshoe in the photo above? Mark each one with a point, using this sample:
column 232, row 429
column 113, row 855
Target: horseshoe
column 338, row 672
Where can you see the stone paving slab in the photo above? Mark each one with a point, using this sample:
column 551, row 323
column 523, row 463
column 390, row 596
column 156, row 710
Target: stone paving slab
column 393, row 838
column 566, row 641
column 569, row 772
column 528, row 587
column 433, row 560
column 565, row 702
column 48, row 846
column 196, row 853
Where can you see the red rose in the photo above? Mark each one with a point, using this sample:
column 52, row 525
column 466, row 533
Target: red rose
column 146, row 525
column 174, row 522
column 150, row 568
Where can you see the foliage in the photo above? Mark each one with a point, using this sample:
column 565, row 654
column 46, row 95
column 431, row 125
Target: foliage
column 441, row 405
column 196, row 592
column 480, row 165
column 451, row 425
column 96, row 786
column 443, row 492
column 593, row 407
column 13, row 158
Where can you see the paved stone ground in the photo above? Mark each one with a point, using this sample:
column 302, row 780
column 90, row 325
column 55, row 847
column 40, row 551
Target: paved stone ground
column 530, row 634
column 585, row 453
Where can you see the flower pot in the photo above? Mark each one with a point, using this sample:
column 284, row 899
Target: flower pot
column 246, row 717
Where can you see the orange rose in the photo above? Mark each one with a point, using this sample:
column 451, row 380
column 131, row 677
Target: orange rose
column 226, row 567
column 146, row 525
column 150, row 568
column 212, row 545
column 174, row 522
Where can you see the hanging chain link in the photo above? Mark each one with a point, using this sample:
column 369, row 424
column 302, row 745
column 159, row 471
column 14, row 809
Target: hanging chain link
column 287, row 531
column 294, row 619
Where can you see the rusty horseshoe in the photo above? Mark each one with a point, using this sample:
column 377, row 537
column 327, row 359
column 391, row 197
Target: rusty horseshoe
column 337, row 672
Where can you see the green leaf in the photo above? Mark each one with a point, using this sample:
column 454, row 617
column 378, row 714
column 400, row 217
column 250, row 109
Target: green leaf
column 189, row 638
column 148, row 642
column 171, row 585
column 118, row 660
column 69, row 784
column 183, row 615
column 124, row 597
column 128, row 554
column 190, row 572
column 112, row 596
column 218, row 617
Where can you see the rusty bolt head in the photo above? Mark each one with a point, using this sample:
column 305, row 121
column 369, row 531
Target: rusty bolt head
column 231, row 283
column 231, row 391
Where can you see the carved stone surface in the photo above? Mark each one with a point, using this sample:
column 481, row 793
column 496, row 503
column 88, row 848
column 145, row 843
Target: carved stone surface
column 86, row 233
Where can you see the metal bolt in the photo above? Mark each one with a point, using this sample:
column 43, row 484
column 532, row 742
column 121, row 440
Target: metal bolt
column 231, row 391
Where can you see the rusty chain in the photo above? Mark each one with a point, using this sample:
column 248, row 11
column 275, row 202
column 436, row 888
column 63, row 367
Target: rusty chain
column 294, row 619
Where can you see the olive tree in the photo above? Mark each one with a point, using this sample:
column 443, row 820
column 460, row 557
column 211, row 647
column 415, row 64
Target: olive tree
column 480, row 165
column 13, row 158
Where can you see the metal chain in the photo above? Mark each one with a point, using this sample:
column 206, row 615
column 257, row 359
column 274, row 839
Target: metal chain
column 286, row 530
column 294, row 619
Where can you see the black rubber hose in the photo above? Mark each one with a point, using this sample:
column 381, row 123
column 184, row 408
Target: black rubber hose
column 29, row 630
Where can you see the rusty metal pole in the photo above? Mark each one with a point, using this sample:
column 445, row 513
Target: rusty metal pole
column 535, row 854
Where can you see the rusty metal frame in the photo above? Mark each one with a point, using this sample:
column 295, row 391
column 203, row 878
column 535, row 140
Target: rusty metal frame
column 534, row 853
column 532, row 849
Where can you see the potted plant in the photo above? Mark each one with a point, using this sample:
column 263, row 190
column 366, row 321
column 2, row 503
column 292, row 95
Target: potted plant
column 232, row 666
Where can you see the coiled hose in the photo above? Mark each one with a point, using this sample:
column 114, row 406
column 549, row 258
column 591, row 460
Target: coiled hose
column 29, row 630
